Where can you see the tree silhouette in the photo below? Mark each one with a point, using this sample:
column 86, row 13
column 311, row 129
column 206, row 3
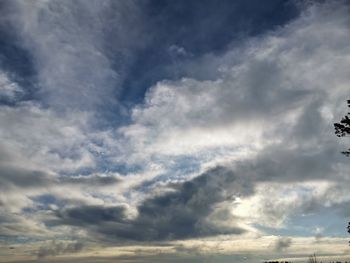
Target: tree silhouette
column 342, row 129
column 313, row 258
column 348, row 227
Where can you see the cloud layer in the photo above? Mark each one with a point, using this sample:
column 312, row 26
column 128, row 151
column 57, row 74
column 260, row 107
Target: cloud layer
column 229, row 141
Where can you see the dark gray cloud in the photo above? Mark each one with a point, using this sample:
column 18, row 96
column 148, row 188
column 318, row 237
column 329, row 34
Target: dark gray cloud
column 178, row 214
column 12, row 174
column 306, row 150
column 26, row 178
column 23, row 178
column 280, row 163
column 58, row 248
column 282, row 243
column 87, row 215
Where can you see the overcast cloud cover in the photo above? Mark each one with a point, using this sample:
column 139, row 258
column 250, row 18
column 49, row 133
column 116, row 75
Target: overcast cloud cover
column 173, row 131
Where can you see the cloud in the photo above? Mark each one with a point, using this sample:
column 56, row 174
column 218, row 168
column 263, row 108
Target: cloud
column 270, row 99
column 79, row 49
column 179, row 214
column 42, row 139
column 9, row 91
column 263, row 114
column 267, row 113
column 262, row 117
column 283, row 243
column 23, row 178
column 91, row 180
column 58, row 248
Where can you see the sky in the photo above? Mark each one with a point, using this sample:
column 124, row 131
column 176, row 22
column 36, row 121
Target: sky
column 173, row 131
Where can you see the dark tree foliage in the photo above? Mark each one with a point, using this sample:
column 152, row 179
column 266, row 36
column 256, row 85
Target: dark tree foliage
column 342, row 129
column 348, row 227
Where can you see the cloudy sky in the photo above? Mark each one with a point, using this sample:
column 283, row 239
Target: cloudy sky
column 173, row 131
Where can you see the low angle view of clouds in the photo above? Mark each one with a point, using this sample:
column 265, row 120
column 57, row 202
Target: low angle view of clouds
column 173, row 131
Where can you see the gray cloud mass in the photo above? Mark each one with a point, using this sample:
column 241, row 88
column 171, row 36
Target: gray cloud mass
column 57, row 248
column 283, row 243
column 178, row 214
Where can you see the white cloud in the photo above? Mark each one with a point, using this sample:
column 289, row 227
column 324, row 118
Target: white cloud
column 41, row 139
column 8, row 89
column 70, row 45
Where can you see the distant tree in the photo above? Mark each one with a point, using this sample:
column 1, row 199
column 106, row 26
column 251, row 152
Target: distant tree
column 342, row 129
column 312, row 258
column 348, row 227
